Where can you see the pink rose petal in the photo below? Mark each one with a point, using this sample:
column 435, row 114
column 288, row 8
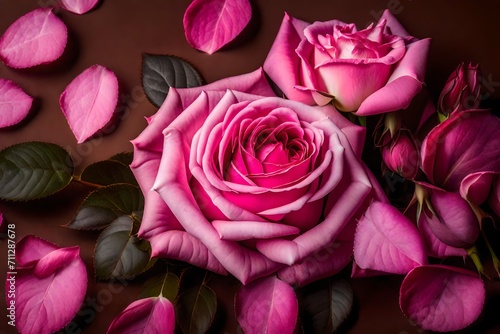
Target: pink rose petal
column 324, row 263
column 150, row 315
column 89, row 101
column 475, row 187
column 50, row 294
column 465, row 143
column 387, row 241
column 78, row 6
column 442, row 298
column 211, row 24
column 38, row 37
column 245, row 230
column 435, row 247
column 15, row 104
column 268, row 305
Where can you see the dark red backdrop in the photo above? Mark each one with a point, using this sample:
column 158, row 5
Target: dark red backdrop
column 119, row 31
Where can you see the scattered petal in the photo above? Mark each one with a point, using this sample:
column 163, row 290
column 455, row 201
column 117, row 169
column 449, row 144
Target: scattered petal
column 15, row 104
column 442, row 298
column 45, row 301
column 79, row 6
column 154, row 315
column 36, row 38
column 387, row 241
column 267, row 305
column 89, row 101
column 211, row 24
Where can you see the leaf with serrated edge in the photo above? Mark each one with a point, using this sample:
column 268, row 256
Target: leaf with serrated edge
column 325, row 304
column 196, row 309
column 33, row 170
column 341, row 302
column 160, row 72
column 106, row 204
column 117, row 253
column 108, row 172
column 166, row 285
column 123, row 157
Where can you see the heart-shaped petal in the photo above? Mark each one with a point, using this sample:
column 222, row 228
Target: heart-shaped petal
column 267, row 305
column 387, row 241
column 211, row 24
column 154, row 315
column 15, row 104
column 442, row 298
column 38, row 37
column 89, row 101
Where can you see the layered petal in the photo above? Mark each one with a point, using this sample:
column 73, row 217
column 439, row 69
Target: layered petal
column 442, row 298
column 467, row 142
column 387, row 241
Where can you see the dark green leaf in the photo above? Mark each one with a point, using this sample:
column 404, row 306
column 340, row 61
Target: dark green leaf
column 342, row 300
column 160, row 72
column 124, row 157
column 33, row 170
column 119, row 254
column 166, row 284
column 324, row 305
column 195, row 309
column 108, row 172
column 105, row 205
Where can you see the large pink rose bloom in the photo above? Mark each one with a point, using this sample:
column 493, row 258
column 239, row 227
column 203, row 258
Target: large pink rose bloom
column 238, row 180
column 372, row 71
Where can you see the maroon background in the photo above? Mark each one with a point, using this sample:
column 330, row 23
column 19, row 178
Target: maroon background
column 117, row 33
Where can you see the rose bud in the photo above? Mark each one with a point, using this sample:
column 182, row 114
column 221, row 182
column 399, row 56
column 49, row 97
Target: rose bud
column 368, row 71
column 467, row 142
column 401, row 154
column 461, row 91
column 448, row 215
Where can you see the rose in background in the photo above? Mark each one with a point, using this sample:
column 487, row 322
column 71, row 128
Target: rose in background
column 371, row 71
column 251, row 185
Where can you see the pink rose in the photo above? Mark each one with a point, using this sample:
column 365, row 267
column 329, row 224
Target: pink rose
column 238, row 180
column 372, row 71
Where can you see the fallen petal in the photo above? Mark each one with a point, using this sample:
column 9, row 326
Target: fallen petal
column 154, row 315
column 442, row 298
column 267, row 305
column 387, row 241
column 211, row 24
column 15, row 104
column 38, row 37
column 89, row 101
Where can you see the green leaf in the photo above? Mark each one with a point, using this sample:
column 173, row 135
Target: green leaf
column 160, row 72
column 166, row 285
column 33, row 170
column 195, row 309
column 105, row 205
column 324, row 305
column 108, row 172
column 118, row 253
column 124, row 157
